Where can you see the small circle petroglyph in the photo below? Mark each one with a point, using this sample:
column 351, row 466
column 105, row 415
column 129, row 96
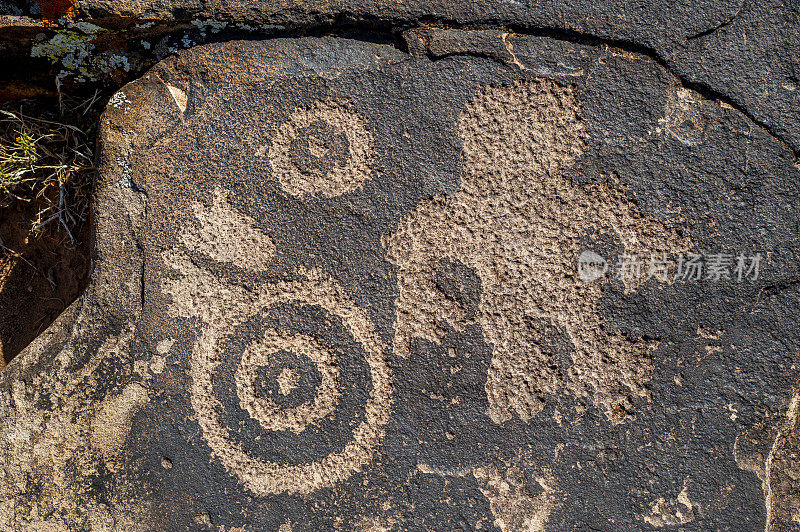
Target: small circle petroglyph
column 268, row 413
column 321, row 150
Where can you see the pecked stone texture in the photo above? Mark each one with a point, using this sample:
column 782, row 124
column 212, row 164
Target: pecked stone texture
column 337, row 286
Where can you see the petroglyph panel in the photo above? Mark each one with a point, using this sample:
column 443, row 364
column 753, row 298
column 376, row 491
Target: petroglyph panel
column 344, row 286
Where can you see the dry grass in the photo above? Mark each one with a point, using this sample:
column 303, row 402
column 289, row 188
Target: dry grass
column 48, row 161
column 46, row 175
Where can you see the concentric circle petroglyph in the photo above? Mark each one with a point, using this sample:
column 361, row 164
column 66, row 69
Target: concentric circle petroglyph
column 198, row 294
column 220, row 306
column 268, row 413
column 322, row 150
column 265, row 477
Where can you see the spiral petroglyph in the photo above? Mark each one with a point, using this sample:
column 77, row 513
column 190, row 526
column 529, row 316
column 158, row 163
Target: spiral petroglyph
column 322, row 150
column 221, row 306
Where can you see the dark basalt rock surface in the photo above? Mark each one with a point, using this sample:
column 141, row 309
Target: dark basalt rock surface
column 337, row 286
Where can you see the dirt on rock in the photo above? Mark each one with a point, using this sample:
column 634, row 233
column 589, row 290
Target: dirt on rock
column 40, row 276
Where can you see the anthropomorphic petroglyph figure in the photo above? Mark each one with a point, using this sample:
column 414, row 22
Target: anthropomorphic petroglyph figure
column 517, row 221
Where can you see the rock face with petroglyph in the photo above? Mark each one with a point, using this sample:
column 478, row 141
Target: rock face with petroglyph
column 338, row 285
